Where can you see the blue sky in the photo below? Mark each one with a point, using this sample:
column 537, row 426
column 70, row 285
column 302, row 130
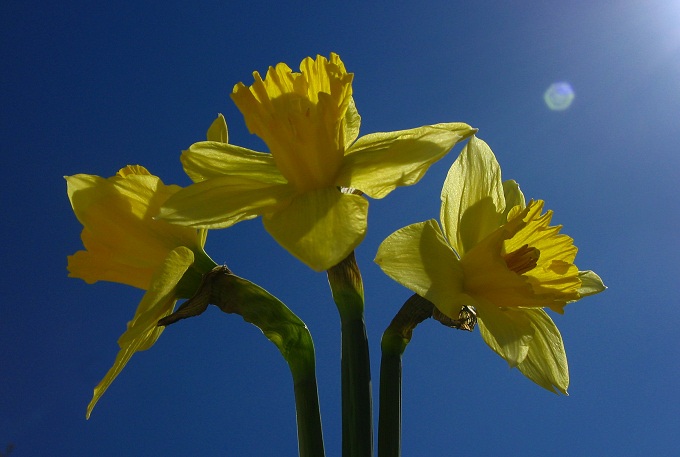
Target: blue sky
column 90, row 88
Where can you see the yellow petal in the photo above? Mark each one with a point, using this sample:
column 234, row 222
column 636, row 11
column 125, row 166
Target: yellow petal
column 208, row 159
column 507, row 331
column 352, row 123
column 378, row 163
column 218, row 130
column 157, row 303
column 591, row 283
column 419, row 258
column 95, row 264
column 513, row 197
column 472, row 197
column 320, row 227
column 546, row 361
column 222, row 202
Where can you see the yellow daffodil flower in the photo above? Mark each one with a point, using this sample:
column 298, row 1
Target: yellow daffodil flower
column 306, row 189
column 125, row 244
column 502, row 258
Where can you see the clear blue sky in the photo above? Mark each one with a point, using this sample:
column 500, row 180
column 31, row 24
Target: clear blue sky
column 89, row 87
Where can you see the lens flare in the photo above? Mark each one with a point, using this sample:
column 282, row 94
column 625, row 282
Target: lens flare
column 559, row 96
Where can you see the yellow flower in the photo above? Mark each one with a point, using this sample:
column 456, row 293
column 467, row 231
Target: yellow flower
column 502, row 258
column 304, row 188
column 125, row 244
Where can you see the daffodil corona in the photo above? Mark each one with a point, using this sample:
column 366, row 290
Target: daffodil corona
column 125, row 244
column 502, row 258
column 310, row 124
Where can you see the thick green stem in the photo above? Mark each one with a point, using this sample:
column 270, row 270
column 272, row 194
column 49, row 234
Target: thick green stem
column 357, row 402
column 291, row 336
column 389, row 422
column 310, row 436
column 393, row 343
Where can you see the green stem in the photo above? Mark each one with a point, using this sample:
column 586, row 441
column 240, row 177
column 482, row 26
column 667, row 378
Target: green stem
column 357, row 402
column 393, row 343
column 310, row 436
column 291, row 336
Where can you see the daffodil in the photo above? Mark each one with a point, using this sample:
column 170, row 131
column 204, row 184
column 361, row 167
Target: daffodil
column 499, row 255
column 123, row 243
column 308, row 187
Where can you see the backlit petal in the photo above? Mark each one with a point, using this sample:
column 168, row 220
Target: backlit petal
column 157, row 303
column 218, row 130
column 473, row 200
column 222, row 202
column 320, row 227
column 508, row 331
column 546, row 361
column 96, row 263
column 379, row 162
column 513, row 197
column 419, row 258
column 352, row 123
column 591, row 283
column 209, row 159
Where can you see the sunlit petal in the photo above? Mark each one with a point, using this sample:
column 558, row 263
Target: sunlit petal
column 513, row 197
column 96, row 263
column 507, row 331
column 157, row 303
column 546, row 361
column 554, row 276
column 473, row 200
column 209, row 159
column 591, row 283
column 379, row 162
column 218, row 130
column 222, row 202
column 352, row 123
column 419, row 258
column 321, row 227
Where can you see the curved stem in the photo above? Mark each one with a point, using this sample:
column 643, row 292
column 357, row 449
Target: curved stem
column 282, row 327
column 394, row 341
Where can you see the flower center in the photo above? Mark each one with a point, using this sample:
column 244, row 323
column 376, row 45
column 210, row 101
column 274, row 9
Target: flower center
column 523, row 259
